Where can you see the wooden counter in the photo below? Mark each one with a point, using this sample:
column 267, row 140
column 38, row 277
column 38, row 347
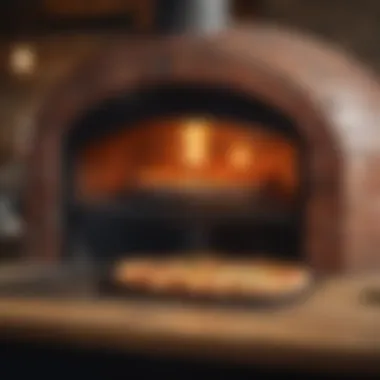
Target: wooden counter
column 333, row 330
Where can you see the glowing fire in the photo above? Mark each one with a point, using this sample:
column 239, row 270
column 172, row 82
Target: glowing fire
column 195, row 139
column 181, row 153
column 241, row 157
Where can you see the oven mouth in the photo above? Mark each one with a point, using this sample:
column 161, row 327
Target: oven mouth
column 163, row 219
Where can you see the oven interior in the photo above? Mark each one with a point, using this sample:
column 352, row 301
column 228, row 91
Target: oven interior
column 183, row 169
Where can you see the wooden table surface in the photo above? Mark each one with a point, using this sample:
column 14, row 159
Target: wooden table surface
column 334, row 329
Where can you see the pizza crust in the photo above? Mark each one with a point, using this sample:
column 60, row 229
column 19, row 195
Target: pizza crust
column 212, row 277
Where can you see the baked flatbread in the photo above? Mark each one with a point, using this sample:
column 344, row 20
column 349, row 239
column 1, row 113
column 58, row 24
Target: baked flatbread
column 212, row 277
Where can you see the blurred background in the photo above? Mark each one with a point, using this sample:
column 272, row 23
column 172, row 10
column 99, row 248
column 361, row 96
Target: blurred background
column 42, row 40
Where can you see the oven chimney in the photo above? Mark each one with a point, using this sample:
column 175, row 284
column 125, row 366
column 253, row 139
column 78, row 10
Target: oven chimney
column 191, row 16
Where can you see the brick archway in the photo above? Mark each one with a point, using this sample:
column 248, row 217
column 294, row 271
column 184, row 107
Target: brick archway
column 129, row 65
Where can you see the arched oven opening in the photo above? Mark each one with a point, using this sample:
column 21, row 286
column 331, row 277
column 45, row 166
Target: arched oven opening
column 184, row 169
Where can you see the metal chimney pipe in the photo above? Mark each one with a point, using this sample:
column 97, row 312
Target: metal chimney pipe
column 191, row 16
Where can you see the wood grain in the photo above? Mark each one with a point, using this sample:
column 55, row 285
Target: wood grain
column 332, row 330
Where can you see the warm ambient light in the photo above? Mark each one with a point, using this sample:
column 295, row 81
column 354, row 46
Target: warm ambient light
column 22, row 59
column 195, row 137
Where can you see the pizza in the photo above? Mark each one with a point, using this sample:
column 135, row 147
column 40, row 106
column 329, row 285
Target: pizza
column 211, row 277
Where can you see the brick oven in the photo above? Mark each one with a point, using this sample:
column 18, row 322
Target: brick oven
column 206, row 136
